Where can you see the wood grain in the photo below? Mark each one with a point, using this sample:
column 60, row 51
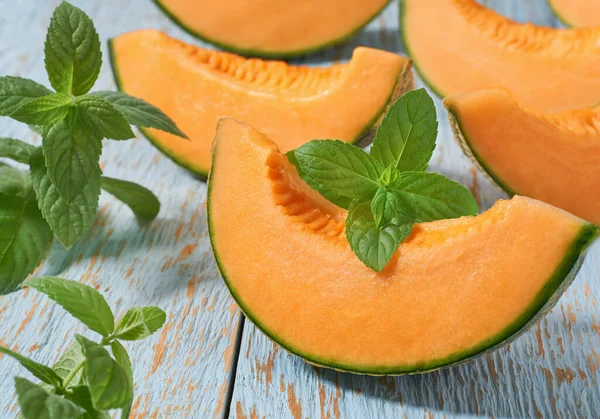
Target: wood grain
column 186, row 369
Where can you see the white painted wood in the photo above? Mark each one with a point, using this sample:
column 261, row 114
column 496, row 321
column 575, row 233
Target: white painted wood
column 183, row 370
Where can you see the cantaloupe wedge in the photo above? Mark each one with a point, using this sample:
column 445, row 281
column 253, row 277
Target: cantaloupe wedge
column 272, row 28
column 551, row 157
column 292, row 104
column 455, row 288
column 470, row 47
column 577, row 12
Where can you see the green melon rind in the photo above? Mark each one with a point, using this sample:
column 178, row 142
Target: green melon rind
column 559, row 16
column 408, row 51
column 558, row 282
column 404, row 83
column 268, row 54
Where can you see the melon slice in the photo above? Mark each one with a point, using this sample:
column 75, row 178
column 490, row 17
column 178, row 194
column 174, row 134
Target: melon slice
column 272, row 28
column 551, row 157
column 471, row 47
column 292, row 104
column 577, row 12
column 455, row 288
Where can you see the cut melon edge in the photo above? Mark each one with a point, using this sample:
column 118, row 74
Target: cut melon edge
column 257, row 53
column 404, row 83
column 557, row 283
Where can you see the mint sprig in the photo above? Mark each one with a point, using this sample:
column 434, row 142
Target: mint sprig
column 388, row 191
column 65, row 175
column 88, row 380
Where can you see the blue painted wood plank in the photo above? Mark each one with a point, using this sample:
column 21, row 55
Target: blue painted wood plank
column 184, row 369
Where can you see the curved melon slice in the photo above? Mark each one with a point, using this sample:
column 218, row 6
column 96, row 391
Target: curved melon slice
column 551, row 157
column 272, row 28
column 577, row 12
column 455, row 288
column 293, row 105
column 471, row 47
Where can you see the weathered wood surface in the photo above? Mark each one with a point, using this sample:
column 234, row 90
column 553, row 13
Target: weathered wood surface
column 187, row 369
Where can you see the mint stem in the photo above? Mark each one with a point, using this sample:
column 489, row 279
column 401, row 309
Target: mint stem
column 72, row 374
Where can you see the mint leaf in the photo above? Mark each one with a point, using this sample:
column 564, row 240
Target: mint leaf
column 140, row 113
column 72, row 51
column 68, row 361
column 72, row 153
column 42, row 372
column 25, row 239
column 374, row 246
column 45, row 110
column 339, row 168
column 16, row 91
column 388, row 204
column 81, row 301
column 139, row 323
column 14, row 182
column 16, row 150
column 144, row 204
column 340, row 201
column 80, row 395
column 68, row 220
column 102, row 118
column 36, row 403
column 107, row 380
column 436, row 197
column 406, row 137
column 390, row 176
column 123, row 360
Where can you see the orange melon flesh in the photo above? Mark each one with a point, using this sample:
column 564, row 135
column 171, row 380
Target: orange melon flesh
column 293, row 105
column 471, row 47
column 577, row 12
column 454, row 289
column 272, row 27
column 551, row 157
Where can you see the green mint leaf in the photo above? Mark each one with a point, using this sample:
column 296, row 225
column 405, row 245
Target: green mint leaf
column 36, row 403
column 45, row 110
column 340, row 201
column 16, row 150
column 81, row 301
column 72, row 153
column 80, row 395
column 72, row 51
column 389, row 204
column 139, row 323
column 140, row 113
column 68, row 220
column 102, row 118
column 107, row 380
column 14, row 182
column 25, row 239
column 68, row 361
column 436, row 197
column 16, row 91
column 339, row 168
column 144, row 204
column 123, row 360
column 44, row 373
column 390, row 176
column 374, row 246
column 406, row 137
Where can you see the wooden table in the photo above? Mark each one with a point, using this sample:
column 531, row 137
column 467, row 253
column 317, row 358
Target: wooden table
column 208, row 361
